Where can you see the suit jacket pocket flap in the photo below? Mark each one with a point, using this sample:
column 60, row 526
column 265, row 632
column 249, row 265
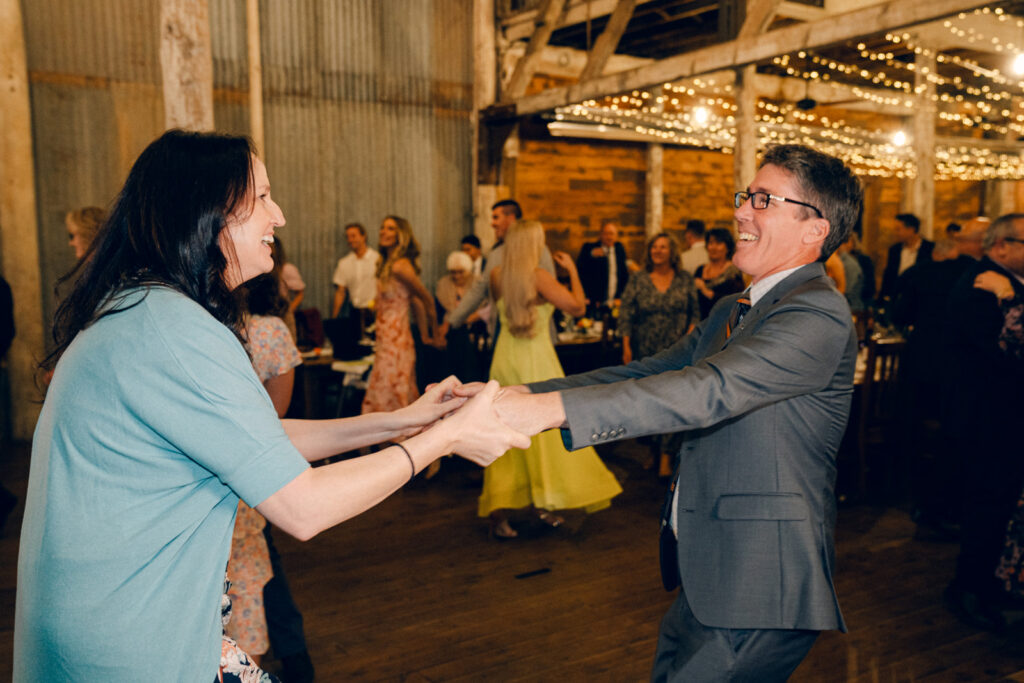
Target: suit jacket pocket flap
column 776, row 506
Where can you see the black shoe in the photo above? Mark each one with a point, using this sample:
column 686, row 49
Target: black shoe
column 971, row 609
column 296, row 668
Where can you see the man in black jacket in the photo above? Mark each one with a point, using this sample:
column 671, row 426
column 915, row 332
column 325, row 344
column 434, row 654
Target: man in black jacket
column 910, row 249
column 602, row 268
column 982, row 410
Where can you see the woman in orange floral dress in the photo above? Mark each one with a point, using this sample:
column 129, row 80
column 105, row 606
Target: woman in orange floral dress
column 392, row 382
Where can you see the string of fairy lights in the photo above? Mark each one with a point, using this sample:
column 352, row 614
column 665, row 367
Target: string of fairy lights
column 981, row 101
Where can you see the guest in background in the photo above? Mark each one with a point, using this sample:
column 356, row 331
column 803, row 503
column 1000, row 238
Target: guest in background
column 392, row 382
column 659, row 307
column 910, row 248
column 921, row 308
column 293, row 288
column 718, row 277
column 602, row 269
column 503, row 214
column 271, row 614
column 696, row 254
column 971, row 237
column 982, row 397
column 463, row 355
column 471, row 247
column 355, row 277
column 854, row 275
column 274, row 357
column 83, row 225
column 544, row 477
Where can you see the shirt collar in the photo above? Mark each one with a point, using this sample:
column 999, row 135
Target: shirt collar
column 763, row 286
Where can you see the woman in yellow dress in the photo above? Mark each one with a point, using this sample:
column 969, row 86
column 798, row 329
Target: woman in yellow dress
column 545, row 476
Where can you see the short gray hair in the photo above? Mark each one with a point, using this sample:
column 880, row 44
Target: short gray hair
column 1000, row 229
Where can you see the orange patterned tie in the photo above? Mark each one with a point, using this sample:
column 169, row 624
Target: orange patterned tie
column 739, row 309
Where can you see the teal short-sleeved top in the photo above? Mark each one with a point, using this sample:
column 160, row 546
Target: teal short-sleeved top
column 153, row 426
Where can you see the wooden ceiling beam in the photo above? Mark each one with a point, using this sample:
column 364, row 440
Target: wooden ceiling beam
column 604, row 46
column 520, row 26
column 548, row 19
column 890, row 15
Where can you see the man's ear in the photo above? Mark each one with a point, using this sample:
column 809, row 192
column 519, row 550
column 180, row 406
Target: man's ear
column 817, row 231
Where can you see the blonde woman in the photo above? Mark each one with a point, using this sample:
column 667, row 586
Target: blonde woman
column 543, row 477
column 83, row 225
column 392, row 382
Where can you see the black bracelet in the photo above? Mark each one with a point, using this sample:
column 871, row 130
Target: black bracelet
column 412, row 465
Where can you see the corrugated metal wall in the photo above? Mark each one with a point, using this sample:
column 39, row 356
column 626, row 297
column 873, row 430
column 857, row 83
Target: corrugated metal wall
column 366, row 106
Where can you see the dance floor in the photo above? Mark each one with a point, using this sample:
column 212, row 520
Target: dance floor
column 414, row 590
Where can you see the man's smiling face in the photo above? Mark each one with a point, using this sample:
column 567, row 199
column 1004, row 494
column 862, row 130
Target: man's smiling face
column 780, row 236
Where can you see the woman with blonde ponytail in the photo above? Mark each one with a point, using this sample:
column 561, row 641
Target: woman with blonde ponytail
column 543, row 477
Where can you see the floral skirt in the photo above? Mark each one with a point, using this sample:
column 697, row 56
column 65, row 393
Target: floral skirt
column 235, row 664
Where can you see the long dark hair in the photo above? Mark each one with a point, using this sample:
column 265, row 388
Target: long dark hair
column 164, row 231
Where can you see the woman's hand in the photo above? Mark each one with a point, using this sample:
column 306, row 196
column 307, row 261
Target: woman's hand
column 991, row 281
column 438, row 401
column 476, row 433
column 564, row 260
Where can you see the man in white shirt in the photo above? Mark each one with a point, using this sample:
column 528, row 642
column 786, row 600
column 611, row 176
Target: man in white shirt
column 356, row 274
column 696, row 253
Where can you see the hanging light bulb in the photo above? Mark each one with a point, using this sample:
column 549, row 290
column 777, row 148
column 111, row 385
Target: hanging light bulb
column 1018, row 64
column 899, row 138
column 701, row 116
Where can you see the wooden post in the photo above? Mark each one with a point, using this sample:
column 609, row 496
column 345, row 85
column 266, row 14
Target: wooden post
column 744, row 164
column 922, row 195
column 19, row 231
column 252, row 25
column 186, row 60
column 485, row 91
column 654, row 189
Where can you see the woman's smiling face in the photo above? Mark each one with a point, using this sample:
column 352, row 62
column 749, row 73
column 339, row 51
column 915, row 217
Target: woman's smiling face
column 250, row 231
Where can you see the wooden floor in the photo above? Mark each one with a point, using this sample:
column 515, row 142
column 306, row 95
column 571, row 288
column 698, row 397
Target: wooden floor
column 415, row 591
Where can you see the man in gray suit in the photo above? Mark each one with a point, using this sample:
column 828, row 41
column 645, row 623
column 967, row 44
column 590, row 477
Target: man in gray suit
column 763, row 395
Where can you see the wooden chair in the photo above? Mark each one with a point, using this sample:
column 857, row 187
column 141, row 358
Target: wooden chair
column 879, row 401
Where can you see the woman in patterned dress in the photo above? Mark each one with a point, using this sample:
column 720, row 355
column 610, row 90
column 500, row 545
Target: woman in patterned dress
column 392, row 383
column 659, row 307
column 275, row 357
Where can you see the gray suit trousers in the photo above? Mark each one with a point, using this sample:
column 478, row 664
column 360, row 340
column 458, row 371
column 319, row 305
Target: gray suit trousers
column 690, row 652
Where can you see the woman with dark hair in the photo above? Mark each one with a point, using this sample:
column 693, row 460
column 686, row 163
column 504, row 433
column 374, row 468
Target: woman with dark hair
column 718, row 277
column 155, row 424
column 392, row 382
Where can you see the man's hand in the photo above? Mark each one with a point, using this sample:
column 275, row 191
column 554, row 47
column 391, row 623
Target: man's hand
column 530, row 413
column 477, row 433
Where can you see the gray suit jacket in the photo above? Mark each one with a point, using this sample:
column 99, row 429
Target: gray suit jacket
column 763, row 414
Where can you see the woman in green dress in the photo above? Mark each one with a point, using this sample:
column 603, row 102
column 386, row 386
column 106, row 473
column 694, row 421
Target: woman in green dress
column 543, row 477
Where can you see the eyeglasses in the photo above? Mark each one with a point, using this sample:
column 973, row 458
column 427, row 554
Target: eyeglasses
column 1013, row 239
column 760, row 200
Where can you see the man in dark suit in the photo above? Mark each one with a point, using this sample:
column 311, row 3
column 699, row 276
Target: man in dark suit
column 762, row 392
column 910, row 249
column 602, row 268
column 982, row 399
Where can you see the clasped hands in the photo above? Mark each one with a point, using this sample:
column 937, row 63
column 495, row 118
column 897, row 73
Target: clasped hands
column 482, row 421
